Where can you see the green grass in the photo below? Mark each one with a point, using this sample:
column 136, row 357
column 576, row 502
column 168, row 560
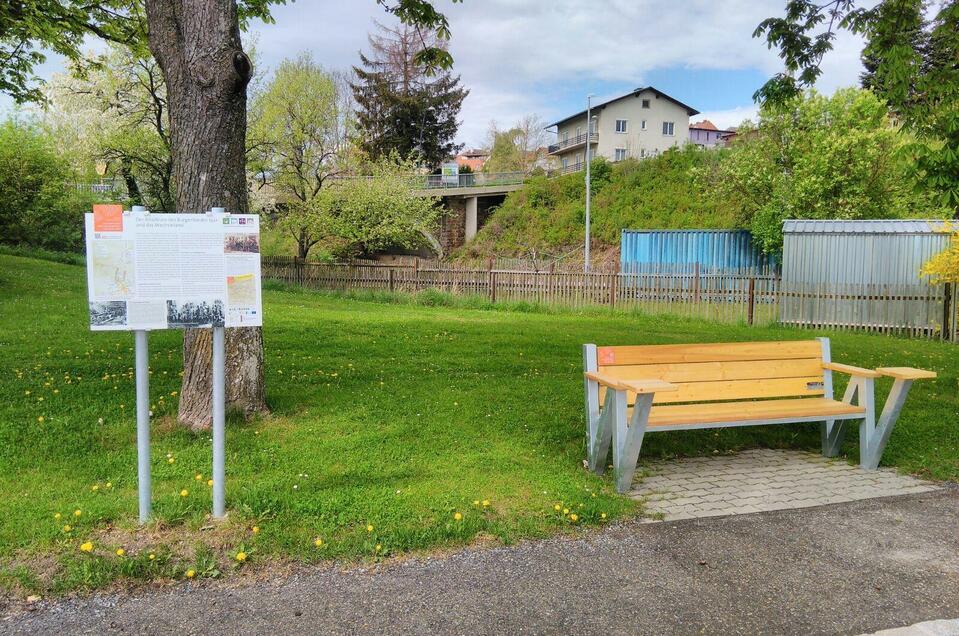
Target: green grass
column 384, row 412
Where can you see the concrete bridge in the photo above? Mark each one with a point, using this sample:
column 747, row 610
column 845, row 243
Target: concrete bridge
column 469, row 197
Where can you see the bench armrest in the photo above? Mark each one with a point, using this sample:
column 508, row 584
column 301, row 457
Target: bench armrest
column 851, row 370
column 637, row 386
column 906, row 373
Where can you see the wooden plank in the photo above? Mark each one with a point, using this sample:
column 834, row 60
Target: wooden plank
column 713, row 371
column 850, row 370
column 907, row 373
column 664, row 416
column 710, row 352
column 634, row 386
column 733, row 390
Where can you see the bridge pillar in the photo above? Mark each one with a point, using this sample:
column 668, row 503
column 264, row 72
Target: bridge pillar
column 472, row 218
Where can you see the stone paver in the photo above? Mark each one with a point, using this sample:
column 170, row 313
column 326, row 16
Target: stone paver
column 761, row 480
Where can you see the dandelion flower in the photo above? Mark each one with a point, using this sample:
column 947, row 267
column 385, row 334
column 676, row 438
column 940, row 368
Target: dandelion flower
column 574, row 517
column 485, row 503
column 109, row 485
column 153, row 557
column 602, row 515
column 256, row 529
column 369, row 528
column 86, row 547
column 241, row 556
column 170, row 460
column 40, row 419
column 318, row 542
column 378, row 547
column 458, row 516
column 57, row 515
column 77, row 512
column 184, row 492
column 476, row 502
column 121, row 552
column 565, row 511
column 95, row 487
column 190, row 574
column 198, row 477
column 67, row 528
column 557, row 507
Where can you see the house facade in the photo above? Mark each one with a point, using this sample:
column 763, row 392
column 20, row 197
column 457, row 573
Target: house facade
column 473, row 158
column 705, row 134
column 640, row 124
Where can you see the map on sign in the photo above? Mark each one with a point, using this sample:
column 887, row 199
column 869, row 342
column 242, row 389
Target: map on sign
column 172, row 271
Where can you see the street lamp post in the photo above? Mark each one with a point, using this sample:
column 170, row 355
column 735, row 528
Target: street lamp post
column 589, row 125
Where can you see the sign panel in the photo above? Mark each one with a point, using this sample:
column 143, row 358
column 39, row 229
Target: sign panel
column 172, row 271
column 451, row 174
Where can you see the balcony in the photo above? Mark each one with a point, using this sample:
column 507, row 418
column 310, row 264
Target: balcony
column 572, row 143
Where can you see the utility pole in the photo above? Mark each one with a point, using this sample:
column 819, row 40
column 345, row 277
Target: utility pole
column 589, row 125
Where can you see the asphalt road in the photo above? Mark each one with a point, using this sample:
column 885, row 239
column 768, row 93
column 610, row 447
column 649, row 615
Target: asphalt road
column 846, row 568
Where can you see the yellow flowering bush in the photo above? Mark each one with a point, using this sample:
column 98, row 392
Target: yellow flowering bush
column 944, row 267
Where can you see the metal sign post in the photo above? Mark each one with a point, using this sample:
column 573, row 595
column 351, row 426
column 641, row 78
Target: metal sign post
column 142, row 354
column 219, row 417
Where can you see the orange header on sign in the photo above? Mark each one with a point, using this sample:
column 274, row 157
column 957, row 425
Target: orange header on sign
column 108, row 218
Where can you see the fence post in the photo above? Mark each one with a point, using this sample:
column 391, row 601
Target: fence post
column 614, row 279
column 947, row 312
column 492, row 286
column 696, row 283
column 391, row 278
column 752, row 300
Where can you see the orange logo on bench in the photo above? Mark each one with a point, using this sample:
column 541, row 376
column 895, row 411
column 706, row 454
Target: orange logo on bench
column 606, row 355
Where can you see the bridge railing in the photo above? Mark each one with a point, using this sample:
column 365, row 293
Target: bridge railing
column 469, row 180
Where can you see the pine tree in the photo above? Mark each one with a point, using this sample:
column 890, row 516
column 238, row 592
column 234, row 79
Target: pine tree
column 400, row 108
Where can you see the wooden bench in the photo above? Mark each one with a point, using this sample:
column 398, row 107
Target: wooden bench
column 638, row 389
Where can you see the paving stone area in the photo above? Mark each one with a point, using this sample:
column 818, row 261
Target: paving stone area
column 759, row 480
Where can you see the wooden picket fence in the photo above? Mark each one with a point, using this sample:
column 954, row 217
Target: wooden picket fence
column 729, row 297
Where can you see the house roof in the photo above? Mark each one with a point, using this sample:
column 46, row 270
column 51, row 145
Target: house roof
column 689, row 109
column 704, row 125
column 867, row 226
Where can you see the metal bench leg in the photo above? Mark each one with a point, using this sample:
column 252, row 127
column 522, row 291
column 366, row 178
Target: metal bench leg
column 834, row 431
column 628, row 438
column 867, row 426
column 879, row 435
column 601, row 433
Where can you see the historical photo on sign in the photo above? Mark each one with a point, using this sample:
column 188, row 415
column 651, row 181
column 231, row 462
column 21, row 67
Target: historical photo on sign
column 112, row 267
column 190, row 314
column 241, row 244
column 108, row 314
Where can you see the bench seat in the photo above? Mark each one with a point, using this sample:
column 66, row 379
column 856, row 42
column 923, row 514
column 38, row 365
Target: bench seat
column 750, row 412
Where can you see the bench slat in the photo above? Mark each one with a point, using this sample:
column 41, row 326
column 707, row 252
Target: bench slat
column 710, row 352
column 680, row 414
column 678, row 372
column 736, row 390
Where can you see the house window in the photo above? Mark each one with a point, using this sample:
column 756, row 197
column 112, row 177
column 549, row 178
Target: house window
column 642, row 124
column 619, row 154
column 565, row 135
column 668, row 128
column 566, row 160
column 579, row 131
column 620, row 125
column 645, row 103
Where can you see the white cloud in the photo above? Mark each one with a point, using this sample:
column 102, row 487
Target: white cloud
column 523, row 56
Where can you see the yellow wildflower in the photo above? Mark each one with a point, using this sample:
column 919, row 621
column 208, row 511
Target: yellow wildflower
column 209, row 482
column 67, row 528
column 318, row 542
column 121, row 552
column 256, row 529
column 369, row 528
column 241, row 556
column 485, row 503
column 557, row 507
column 86, row 547
column 77, row 512
column 184, row 492
column 190, row 574
column 458, row 516
column 574, row 518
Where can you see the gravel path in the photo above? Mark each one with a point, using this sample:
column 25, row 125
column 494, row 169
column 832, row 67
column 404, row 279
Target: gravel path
column 844, row 568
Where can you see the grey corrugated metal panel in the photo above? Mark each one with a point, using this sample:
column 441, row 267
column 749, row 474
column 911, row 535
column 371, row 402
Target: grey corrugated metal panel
column 865, row 226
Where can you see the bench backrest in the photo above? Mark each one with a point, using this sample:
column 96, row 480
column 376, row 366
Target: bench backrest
column 720, row 371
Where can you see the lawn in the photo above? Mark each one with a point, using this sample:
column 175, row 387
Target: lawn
column 395, row 427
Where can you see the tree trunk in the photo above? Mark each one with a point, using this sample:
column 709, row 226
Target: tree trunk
column 197, row 44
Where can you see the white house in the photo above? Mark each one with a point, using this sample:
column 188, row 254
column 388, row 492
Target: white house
column 640, row 124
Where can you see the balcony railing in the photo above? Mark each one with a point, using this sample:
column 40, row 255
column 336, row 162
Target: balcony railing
column 469, row 180
column 572, row 142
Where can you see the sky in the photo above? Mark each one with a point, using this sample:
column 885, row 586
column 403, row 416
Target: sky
column 519, row 57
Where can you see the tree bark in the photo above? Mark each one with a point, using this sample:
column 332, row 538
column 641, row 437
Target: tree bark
column 197, row 45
